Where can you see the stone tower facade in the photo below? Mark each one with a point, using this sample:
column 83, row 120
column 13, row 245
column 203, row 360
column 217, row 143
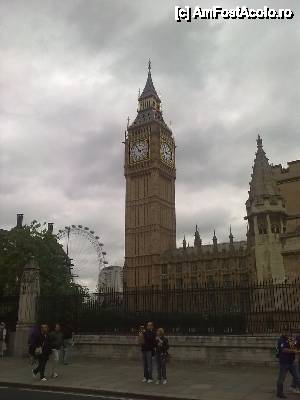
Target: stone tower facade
column 150, row 220
column 266, row 214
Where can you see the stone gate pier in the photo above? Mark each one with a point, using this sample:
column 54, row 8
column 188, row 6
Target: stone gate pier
column 28, row 306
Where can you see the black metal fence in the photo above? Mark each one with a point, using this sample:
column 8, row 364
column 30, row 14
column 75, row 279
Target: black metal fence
column 260, row 308
column 9, row 304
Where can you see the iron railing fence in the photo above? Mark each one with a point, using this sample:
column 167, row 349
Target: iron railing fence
column 9, row 305
column 253, row 309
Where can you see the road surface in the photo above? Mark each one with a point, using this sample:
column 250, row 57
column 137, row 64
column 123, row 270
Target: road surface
column 36, row 394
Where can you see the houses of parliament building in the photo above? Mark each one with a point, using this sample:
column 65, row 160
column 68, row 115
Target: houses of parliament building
column 271, row 249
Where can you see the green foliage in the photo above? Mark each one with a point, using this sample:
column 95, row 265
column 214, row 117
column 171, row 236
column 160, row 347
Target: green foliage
column 16, row 247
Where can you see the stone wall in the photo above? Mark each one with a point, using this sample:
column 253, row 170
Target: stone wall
column 222, row 350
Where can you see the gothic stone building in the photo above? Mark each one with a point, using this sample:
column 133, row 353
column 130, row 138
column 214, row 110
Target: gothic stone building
column 271, row 249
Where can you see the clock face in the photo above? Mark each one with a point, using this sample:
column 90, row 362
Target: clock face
column 166, row 152
column 139, row 151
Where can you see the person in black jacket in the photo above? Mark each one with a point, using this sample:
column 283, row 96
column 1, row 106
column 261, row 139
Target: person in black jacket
column 162, row 347
column 41, row 350
column 147, row 339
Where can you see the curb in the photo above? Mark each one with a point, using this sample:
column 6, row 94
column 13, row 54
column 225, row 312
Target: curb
column 91, row 391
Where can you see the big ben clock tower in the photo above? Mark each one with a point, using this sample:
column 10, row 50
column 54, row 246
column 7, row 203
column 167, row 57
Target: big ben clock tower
column 150, row 220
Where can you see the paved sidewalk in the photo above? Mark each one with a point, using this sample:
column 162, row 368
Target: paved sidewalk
column 186, row 380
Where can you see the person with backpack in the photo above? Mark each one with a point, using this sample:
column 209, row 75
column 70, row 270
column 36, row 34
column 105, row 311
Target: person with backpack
column 286, row 354
column 162, row 347
column 41, row 349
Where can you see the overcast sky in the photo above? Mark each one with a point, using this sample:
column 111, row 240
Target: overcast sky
column 69, row 77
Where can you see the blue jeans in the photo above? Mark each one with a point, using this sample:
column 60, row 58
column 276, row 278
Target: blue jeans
column 293, row 369
column 147, row 363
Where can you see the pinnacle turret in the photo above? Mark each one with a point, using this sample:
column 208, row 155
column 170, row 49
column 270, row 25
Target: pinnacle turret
column 215, row 241
column 262, row 183
column 197, row 241
column 231, row 237
column 266, row 215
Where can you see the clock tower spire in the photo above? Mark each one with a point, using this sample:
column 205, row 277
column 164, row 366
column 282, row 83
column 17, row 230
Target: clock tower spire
column 150, row 220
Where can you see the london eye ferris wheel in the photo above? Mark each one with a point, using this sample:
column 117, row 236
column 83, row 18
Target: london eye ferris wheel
column 86, row 252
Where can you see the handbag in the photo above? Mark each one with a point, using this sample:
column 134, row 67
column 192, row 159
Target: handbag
column 38, row 351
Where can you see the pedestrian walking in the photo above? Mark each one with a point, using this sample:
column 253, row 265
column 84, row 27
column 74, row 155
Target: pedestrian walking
column 286, row 353
column 42, row 350
column 56, row 344
column 67, row 343
column 162, row 347
column 147, row 339
column 3, row 339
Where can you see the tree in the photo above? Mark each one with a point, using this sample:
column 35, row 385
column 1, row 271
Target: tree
column 18, row 244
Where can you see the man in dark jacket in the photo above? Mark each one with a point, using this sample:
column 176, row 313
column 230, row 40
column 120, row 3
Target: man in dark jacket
column 287, row 350
column 42, row 350
column 148, row 344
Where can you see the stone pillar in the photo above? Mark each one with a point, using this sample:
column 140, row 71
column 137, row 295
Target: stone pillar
column 28, row 303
